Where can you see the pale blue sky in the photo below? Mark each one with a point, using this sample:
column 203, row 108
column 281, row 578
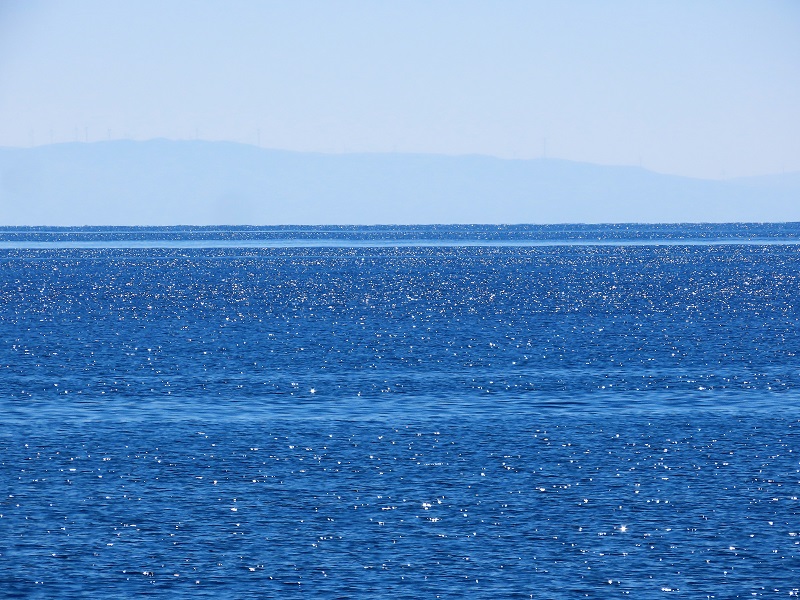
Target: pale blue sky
column 707, row 89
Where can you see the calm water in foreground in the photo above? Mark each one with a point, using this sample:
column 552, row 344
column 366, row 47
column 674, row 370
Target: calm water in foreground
column 480, row 412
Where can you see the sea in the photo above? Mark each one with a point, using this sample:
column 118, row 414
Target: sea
column 561, row 411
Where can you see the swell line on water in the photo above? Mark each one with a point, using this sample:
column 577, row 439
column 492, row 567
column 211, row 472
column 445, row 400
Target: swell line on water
column 360, row 243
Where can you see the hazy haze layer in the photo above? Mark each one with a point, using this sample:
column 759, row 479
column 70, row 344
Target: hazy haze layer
column 164, row 182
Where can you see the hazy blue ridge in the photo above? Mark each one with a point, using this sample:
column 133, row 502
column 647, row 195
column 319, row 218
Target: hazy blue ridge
column 162, row 182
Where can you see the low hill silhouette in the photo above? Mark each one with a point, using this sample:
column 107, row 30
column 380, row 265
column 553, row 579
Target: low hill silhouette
column 162, row 182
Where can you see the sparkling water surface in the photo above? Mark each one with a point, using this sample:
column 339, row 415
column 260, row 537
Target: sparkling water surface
column 525, row 411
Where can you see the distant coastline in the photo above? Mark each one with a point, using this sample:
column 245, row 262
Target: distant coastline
column 196, row 183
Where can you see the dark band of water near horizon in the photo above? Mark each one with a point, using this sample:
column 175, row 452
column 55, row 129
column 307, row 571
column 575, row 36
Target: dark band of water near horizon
column 377, row 236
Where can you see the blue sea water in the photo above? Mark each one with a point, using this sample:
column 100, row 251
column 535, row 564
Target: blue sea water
column 443, row 411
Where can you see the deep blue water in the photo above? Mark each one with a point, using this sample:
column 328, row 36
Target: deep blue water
column 513, row 412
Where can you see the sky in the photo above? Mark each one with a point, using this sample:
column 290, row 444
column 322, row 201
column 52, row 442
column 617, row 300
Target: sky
column 706, row 89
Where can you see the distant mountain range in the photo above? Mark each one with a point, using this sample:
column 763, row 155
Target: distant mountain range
column 162, row 182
